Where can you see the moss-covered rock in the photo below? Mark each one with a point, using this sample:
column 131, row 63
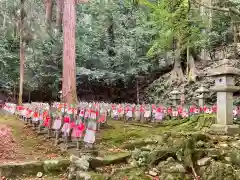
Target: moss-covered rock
column 110, row 159
column 172, row 169
column 32, row 168
column 234, row 157
column 160, row 154
column 52, row 166
column 138, row 143
column 218, row 170
column 175, row 176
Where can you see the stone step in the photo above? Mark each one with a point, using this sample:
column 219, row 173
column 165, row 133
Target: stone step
column 33, row 167
column 110, row 159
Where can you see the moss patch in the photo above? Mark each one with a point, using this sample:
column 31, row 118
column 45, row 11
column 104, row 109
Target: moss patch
column 122, row 132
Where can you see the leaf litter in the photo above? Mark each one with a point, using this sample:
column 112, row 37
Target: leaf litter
column 20, row 143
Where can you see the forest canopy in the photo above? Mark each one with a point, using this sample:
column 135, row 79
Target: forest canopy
column 119, row 44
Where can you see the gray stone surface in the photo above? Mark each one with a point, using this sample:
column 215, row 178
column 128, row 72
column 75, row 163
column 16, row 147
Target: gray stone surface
column 204, row 161
column 81, row 163
column 83, row 175
column 175, row 96
column 225, row 86
column 203, row 95
column 224, row 129
column 224, row 70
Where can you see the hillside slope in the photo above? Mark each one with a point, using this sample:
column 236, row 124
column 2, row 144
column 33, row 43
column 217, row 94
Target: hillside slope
column 160, row 89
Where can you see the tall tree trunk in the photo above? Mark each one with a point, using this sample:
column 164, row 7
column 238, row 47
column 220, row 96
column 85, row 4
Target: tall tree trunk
column 59, row 14
column 4, row 21
column 177, row 73
column 69, row 63
column 192, row 73
column 208, row 13
column 137, row 92
column 48, row 6
column 22, row 52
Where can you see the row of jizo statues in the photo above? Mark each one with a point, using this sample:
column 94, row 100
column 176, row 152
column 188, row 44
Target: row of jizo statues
column 69, row 119
column 82, row 123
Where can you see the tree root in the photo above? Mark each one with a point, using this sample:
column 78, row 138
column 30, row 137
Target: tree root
column 176, row 76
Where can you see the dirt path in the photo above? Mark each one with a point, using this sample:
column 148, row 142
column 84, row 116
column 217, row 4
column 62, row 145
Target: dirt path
column 20, row 143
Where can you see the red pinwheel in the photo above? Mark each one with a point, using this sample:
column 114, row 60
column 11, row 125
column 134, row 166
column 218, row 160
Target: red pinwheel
column 180, row 110
column 169, row 110
column 159, row 109
column 81, row 127
column 66, row 119
column 46, row 121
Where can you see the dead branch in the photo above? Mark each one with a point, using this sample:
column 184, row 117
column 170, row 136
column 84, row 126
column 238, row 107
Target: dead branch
column 223, row 9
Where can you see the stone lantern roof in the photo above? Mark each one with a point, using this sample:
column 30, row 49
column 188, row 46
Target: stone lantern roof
column 227, row 70
column 201, row 96
column 202, row 89
column 175, row 92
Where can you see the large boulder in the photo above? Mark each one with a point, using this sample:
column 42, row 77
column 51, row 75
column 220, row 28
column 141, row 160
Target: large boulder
column 171, row 170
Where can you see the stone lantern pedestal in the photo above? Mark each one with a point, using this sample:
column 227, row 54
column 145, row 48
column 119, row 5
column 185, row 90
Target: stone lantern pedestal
column 225, row 86
column 202, row 97
column 175, row 97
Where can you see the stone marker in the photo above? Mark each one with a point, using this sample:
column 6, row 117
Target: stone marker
column 202, row 97
column 175, row 96
column 225, row 86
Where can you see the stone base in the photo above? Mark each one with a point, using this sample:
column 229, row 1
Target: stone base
column 224, row 129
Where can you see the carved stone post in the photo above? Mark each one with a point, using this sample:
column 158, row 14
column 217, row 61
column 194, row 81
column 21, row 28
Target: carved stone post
column 225, row 86
column 175, row 97
column 202, row 91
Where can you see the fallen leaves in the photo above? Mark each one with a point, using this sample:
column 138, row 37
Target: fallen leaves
column 20, row 143
column 8, row 146
column 115, row 150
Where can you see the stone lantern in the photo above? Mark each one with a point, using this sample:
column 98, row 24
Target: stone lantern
column 225, row 86
column 175, row 97
column 202, row 97
column 60, row 96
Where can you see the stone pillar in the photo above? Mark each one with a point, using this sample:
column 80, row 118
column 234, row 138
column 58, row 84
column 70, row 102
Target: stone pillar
column 225, row 86
column 175, row 97
column 182, row 98
column 202, row 97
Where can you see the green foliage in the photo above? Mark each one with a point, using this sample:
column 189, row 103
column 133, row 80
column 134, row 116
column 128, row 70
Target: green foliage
column 43, row 66
column 175, row 22
column 9, row 60
column 113, row 40
column 9, row 44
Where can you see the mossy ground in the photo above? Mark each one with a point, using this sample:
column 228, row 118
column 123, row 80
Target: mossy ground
column 133, row 174
column 120, row 132
column 109, row 141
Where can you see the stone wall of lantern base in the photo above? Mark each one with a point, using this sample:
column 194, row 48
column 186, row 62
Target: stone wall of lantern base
column 224, row 129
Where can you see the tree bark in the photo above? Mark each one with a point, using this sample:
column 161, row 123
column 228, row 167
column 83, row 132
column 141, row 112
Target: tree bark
column 192, row 75
column 177, row 73
column 137, row 92
column 22, row 52
column 202, row 14
column 48, row 6
column 69, row 63
column 59, row 14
